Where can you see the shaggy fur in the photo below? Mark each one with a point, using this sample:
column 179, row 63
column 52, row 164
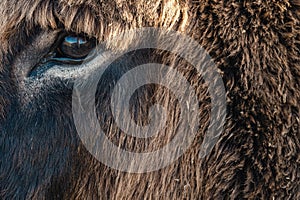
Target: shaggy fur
column 254, row 43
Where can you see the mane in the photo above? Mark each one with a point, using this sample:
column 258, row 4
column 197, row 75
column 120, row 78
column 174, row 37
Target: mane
column 100, row 19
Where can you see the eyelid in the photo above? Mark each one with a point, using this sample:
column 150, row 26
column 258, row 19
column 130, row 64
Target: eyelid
column 71, row 61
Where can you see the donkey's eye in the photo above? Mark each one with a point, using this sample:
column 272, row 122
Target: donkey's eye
column 75, row 47
column 71, row 49
column 68, row 50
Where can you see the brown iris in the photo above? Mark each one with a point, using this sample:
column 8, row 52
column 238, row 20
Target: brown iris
column 76, row 47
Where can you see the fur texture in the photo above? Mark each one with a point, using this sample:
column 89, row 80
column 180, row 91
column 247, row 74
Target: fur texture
column 256, row 46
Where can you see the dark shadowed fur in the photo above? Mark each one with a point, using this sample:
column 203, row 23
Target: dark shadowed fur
column 256, row 47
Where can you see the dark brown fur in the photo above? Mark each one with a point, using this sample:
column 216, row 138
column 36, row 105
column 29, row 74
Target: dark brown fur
column 256, row 46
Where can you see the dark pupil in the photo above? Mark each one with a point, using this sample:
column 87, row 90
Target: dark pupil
column 76, row 47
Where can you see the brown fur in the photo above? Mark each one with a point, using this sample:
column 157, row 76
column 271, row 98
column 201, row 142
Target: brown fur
column 256, row 46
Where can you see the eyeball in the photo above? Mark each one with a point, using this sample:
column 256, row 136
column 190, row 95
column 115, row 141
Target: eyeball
column 75, row 47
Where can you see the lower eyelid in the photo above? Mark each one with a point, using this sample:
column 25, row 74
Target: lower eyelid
column 64, row 65
column 41, row 68
column 69, row 61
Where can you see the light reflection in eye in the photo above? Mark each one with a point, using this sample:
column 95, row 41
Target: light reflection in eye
column 75, row 40
column 75, row 47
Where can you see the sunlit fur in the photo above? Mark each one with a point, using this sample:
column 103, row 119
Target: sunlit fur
column 256, row 47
